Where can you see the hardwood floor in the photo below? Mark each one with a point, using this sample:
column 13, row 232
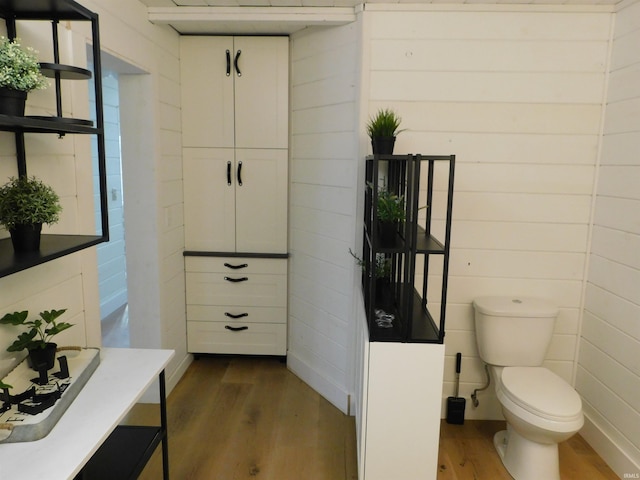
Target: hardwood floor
column 467, row 453
column 237, row 418
column 250, row 418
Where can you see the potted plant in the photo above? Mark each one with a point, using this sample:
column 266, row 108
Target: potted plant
column 37, row 340
column 25, row 204
column 391, row 212
column 382, row 272
column 19, row 74
column 382, row 129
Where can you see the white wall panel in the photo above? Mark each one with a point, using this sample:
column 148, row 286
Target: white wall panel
column 609, row 366
column 519, row 99
column 322, row 216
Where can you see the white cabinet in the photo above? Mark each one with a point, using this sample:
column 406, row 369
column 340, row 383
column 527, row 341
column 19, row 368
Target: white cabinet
column 236, row 305
column 235, row 91
column 235, row 180
column 235, row 200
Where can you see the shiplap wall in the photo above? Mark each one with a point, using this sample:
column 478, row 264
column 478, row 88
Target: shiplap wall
column 322, row 207
column 72, row 280
column 517, row 96
column 111, row 256
column 609, row 362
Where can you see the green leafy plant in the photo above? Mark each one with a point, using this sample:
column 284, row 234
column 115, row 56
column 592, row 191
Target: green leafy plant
column 390, row 206
column 384, row 124
column 41, row 330
column 19, row 67
column 27, row 201
column 4, row 385
column 383, row 264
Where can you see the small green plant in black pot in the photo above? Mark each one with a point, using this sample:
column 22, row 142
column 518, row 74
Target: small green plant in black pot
column 391, row 212
column 19, row 74
column 383, row 129
column 25, row 204
column 37, row 339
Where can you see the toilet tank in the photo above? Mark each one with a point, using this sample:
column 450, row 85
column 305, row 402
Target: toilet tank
column 514, row 331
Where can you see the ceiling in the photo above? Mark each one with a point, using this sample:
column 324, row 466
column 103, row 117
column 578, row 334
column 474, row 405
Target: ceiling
column 265, row 17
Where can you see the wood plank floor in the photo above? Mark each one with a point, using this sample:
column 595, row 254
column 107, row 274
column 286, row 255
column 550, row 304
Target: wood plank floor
column 237, row 418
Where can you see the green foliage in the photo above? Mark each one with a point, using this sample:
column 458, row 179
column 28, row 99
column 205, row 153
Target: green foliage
column 390, row 206
column 384, row 124
column 19, row 67
column 4, row 385
column 28, row 201
column 41, row 330
column 383, row 264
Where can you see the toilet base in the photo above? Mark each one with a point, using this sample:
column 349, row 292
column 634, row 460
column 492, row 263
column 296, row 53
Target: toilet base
column 527, row 460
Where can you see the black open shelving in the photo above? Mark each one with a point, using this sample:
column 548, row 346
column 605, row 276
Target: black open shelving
column 396, row 293
column 12, row 11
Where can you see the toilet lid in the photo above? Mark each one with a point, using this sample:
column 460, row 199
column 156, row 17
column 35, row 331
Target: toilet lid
column 542, row 392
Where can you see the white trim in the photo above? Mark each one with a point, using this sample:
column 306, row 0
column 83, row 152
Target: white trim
column 336, row 394
column 606, row 447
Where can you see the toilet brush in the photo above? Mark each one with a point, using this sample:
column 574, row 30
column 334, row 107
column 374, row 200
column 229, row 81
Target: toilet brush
column 456, row 404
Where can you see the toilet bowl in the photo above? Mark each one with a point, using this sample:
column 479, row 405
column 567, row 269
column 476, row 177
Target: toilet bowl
column 541, row 409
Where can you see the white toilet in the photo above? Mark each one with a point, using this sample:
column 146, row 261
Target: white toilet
column 541, row 409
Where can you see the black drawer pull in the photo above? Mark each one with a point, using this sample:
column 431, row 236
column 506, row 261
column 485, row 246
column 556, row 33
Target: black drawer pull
column 231, row 315
column 236, row 267
column 236, row 329
column 236, row 280
column 229, row 173
column 228, row 63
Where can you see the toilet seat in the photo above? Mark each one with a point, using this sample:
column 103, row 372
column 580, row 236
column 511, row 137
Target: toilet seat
column 542, row 393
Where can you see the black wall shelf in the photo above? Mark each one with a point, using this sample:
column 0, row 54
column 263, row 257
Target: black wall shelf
column 396, row 294
column 55, row 11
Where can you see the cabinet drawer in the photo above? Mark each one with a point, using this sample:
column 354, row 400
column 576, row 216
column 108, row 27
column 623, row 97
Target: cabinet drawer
column 239, row 265
column 255, row 339
column 258, row 290
column 233, row 315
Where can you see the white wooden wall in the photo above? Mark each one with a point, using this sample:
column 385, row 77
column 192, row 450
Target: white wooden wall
column 322, row 207
column 72, row 280
column 517, row 96
column 609, row 362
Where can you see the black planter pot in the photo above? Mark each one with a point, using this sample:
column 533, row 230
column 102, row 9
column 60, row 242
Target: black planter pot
column 384, row 295
column 12, row 102
column 39, row 357
column 26, row 238
column 387, row 233
column 383, row 145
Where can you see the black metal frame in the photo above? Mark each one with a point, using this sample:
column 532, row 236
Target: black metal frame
column 125, row 453
column 55, row 246
column 413, row 322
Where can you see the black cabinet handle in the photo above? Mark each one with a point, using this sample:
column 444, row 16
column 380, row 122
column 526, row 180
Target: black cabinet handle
column 240, row 173
column 236, row 267
column 229, row 173
column 228, row 63
column 235, row 63
column 236, row 329
column 236, row 280
column 240, row 315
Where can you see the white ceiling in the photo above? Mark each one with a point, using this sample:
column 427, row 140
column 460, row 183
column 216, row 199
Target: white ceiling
column 287, row 16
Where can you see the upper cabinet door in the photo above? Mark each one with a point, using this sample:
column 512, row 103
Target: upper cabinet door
column 261, row 200
column 261, row 92
column 207, row 91
column 209, row 199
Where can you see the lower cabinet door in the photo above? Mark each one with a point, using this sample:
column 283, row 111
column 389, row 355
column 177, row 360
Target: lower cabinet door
column 236, row 337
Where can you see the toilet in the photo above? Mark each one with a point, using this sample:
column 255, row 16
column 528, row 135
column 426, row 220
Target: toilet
column 541, row 409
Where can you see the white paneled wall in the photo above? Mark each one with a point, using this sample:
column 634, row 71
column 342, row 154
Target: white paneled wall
column 517, row 96
column 608, row 376
column 322, row 214
column 72, row 280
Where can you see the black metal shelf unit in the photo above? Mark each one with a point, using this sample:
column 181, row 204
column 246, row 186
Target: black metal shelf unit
column 55, row 11
column 397, row 308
